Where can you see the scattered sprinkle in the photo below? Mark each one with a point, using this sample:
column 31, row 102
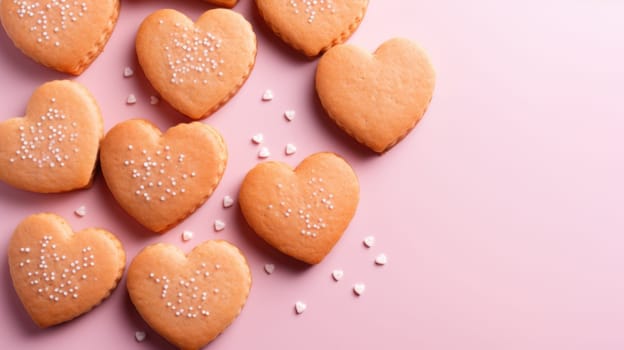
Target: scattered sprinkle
column 128, row 72
column 81, row 211
column 359, row 288
column 290, row 149
column 219, row 225
column 154, row 100
column 131, row 99
column 369, row 241
column 337, row 275
column 264, row 153
column 300, row 307
column 228, row 201
column 289, row 115
column 269, row 268
column 381, row 259
column 267, row 96
column 257, row 139
column 187, row 235
column 140, row 336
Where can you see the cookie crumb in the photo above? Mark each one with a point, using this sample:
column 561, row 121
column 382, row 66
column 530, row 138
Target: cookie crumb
column 154, row 100
column 187, row 235
column 359, row 289
column 300, row 307
column 269, row 268
column 228, row 201
column 257, row 138
column 337, row 275
column 290, row 149
column 81, row 211
column 290, row 115
column 381, row 259
column 131, row 99
column 219, row 225
column 268, row 95
column 369, row 241
column 264, row 153
column 140, row 336
column 128, row 72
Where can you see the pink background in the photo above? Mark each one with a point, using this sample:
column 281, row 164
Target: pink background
column 501, row 213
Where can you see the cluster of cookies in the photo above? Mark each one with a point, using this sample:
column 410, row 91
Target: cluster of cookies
column 161, row 178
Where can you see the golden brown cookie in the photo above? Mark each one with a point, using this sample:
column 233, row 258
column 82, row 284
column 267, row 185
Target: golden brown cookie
column 376, row 98
column 58, row 274
column 160, row 179
column 303, row 211
column 189, row 299
column 312, row 27
column 196, row 67
column 54, row 147
column 63, row 35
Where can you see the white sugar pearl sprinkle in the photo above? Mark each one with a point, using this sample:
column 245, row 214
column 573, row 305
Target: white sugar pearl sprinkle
column 264, row 153
column 290, row 149
column 337, row 275
column 269, row 268
column 219, row 225
column 228, row 201
column 140, row 336
column 381, row 259
column 359, row 288
column 369, row 241
column 290, row 115
column 187, row 235
column 131, row 99
column 128, row 72
column 257, row 138
column 267, row 96
column 81, row 211
column 300, row 307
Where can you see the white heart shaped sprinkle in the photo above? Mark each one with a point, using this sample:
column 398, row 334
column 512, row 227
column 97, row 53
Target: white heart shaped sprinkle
column 290, row 149
column 187, row 235
column 154, row 100
column 264, row 153
column 219, row 225
column 140, row 336
column 81, row 211
column 131, row 99
column 128, row 72
column 359, row 289
column 381, row 259
column 267, row 96
column 337, row 275
column 269, row 268
column 369, row 241
column 257, row 138
column 300, row 307
column 289, row 115
column 228, row 201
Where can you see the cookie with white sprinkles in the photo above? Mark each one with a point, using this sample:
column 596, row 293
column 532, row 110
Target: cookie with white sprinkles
column 160, row 179
column 66, row 35
column 196, row 66
column 54, row 147
column 191, row 298
column 58, row 274
column 304, row 211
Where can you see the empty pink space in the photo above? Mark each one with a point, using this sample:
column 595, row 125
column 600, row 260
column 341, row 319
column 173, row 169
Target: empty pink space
column 500, row 214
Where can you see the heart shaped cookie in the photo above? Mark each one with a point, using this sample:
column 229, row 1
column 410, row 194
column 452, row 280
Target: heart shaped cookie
column 161, row 179
column 196, row 67
column 63, row 35
column 58, row 274
column 189, row 299
column 378, row 98
column 54, row 147
column 301, row 212
column 312, row 27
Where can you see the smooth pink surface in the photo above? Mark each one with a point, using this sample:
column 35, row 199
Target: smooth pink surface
column 501, row 213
